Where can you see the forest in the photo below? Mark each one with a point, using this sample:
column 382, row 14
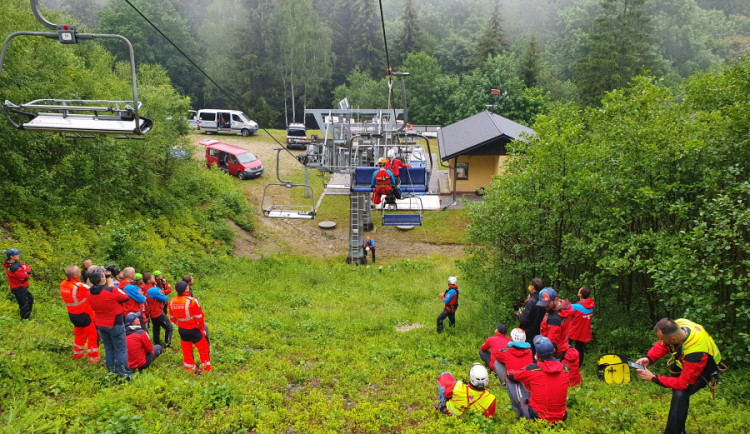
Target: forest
column 273, row 58
column 635, row 185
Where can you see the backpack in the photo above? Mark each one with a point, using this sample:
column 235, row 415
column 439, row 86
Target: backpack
column 613, row 369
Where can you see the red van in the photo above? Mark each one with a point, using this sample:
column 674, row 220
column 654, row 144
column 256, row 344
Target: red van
column 232, row 159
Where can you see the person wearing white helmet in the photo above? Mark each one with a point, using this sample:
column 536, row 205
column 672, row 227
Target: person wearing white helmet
column 457, row 397
column 450, row 303
column 516, row 355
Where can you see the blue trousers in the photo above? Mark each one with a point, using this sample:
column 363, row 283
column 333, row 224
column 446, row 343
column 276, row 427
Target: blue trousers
column 115, row 349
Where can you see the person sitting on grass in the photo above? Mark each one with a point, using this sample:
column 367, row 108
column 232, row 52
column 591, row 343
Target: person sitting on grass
column 547, row 381
column 494, row 343
column 141, row 352
column 457, row 397
column 517, row 355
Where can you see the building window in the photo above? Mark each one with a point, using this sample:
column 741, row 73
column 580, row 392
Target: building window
column 462, row 170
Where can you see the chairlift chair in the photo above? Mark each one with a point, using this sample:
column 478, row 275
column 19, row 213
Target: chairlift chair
column 287, row 211
column 77, row 116
column 392, row 217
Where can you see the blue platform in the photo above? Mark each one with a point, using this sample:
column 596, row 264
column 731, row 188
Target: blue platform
column 413, row 179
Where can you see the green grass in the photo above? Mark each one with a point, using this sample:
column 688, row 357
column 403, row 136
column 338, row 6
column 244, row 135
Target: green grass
column 304, row 345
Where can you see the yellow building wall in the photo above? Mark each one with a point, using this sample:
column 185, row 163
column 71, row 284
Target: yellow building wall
column 481, row 170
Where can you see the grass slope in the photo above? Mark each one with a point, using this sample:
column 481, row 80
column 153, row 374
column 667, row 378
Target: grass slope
column 302, row 345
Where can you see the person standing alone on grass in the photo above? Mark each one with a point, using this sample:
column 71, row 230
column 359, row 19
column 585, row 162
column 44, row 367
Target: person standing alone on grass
column 450, row 302
column 18, row 280
column 75, row 295
column 370, row 245
column 187, row 313
column 697, row 358
column 531, row 316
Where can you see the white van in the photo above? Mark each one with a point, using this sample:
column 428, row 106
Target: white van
column 226, row 121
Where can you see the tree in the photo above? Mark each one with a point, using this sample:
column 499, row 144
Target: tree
column 492, row 41
column 303, row 44
column 150, row 46
column 528, row 67
column 412, row 38
column 620, row 48
column 357, row 38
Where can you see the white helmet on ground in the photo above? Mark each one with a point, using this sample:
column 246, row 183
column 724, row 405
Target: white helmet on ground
column 452, row 280
column 518, row 335
column 478, row 376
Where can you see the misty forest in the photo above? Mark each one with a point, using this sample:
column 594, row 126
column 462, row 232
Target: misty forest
column 635, row 185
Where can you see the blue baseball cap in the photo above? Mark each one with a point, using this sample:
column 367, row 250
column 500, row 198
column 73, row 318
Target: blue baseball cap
column 12, row 252
column 132, row 316
column 546, row 296
column 543, row 346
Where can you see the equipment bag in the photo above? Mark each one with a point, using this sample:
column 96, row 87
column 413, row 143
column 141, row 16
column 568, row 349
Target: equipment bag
column 613, row 369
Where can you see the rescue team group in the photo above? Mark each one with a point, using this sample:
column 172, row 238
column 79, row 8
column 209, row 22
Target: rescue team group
column 542, row 357
column 536, row 363
column 115, row 307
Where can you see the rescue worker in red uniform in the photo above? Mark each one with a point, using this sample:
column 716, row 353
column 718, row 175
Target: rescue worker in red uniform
column 450, row 301
column 547, row 382
column 517, row 355
column 75, row 295
column 578, row 325
column 382, row 182
column 553, row 324
column 18, row 280
column 394, row 164
column 572, row 361
column 187, row 313
column 697, row 358
column 494, row 343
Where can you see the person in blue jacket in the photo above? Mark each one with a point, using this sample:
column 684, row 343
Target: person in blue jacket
column 450, row 301
column 370, row 245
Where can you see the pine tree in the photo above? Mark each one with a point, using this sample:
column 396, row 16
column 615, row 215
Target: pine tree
column 528, row 68
column 492, row 41
column 620, row 49
column 411, row 39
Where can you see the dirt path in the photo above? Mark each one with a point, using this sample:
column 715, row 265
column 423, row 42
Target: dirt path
column 299, row 236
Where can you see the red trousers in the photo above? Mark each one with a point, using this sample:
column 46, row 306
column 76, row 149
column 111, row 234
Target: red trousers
column 80, row 344
column 380, row 191
column 197, row 337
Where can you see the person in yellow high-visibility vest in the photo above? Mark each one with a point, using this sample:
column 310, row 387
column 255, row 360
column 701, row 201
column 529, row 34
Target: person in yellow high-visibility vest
column 457, row 397
column 697, row 358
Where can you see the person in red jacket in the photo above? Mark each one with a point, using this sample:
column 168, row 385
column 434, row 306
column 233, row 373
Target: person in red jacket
column 187, row 313
column 156, row 302
column 141, row 352
column 18, row 280
column 75, row 295
column 572, row 361
column 106, row 301
column 547, row 382
column 517, row 355
column 494, row 343
column 696, row 357
column 394, row 164
column 382, row 182
column 579, row 322
column 553, row 324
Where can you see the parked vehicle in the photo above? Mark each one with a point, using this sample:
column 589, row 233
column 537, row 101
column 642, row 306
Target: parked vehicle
column 226, row 121
column 193, row 119
column 296, row 136
column 232, row 159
